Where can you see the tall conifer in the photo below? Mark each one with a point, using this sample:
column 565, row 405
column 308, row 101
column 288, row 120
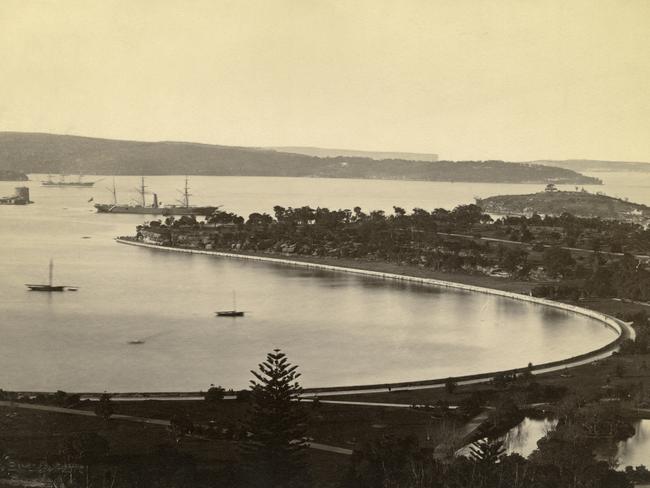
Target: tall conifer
column 275, row 445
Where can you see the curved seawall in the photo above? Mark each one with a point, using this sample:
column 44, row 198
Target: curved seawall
column 622, row 330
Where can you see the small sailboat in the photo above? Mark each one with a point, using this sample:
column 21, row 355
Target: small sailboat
column 231, row 313
column 50, row 286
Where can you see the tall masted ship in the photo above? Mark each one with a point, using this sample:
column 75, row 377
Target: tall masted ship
column 155, row 208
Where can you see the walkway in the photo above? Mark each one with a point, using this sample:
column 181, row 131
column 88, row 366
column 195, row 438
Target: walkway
column 642, row 257
column 142, row 420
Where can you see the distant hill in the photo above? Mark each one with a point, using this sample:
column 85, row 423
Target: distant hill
column 595, row 165
column 8, row 175
column 49, row 153
column 333, row 153
column 580, row 204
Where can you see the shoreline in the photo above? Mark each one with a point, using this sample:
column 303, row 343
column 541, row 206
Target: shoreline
column 424, row 278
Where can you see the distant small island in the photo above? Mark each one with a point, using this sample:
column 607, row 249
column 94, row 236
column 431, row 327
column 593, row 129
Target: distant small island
column 10, row 175
column 578, row 203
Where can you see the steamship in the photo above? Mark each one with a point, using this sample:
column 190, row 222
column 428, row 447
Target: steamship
column 155, row 208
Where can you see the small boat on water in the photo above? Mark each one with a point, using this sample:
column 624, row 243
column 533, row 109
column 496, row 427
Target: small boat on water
column 231, row 313
column 136, row 342
column 50, row 287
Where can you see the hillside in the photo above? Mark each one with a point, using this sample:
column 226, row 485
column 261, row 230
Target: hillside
column 49, row 153
column 595, row 165
column 580, row 204
column 9, row 175
column 333, row 153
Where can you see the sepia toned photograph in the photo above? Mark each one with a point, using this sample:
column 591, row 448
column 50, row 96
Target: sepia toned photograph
column 324, row 244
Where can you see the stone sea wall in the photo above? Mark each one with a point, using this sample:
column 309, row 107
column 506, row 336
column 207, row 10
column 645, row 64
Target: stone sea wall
column 622, row 330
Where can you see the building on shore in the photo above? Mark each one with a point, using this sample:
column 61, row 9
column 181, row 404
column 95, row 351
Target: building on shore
column 21, row 197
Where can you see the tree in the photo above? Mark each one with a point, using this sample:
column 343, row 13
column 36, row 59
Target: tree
column 104, row 408
column 78, row 454
column 558, row 261
column 487, row 452
column 450, row 385
column 275, row 446
column 550, row 188
column 388, row 462
column 180, row 426
column 467, row 214
column 214, row 394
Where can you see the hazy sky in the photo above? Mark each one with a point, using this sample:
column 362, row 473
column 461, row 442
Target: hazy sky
column 516, row 80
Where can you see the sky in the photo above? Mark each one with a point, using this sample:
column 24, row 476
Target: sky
column 467, row 79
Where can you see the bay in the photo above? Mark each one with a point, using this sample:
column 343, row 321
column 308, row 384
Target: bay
column 340, row 329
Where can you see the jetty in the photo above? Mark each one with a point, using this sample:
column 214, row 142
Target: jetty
column 21, row 197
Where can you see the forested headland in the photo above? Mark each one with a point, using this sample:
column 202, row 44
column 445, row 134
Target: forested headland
column 50, row 153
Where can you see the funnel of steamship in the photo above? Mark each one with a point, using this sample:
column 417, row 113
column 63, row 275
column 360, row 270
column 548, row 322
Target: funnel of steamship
column 155, row 208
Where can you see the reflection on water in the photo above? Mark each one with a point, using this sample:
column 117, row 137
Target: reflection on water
column 636, row 450
column 341, row 329
column 522, row 439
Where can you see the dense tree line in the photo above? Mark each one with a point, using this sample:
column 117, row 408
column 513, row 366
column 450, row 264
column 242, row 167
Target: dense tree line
column 535, row 248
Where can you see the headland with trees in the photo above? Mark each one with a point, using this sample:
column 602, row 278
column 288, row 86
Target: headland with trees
column 579, row 203
column 54, row 153
column 552, row 256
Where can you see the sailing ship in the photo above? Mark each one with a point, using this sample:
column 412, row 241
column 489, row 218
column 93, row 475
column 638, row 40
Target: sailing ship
column 68, row 183
column 50, row 286
column 231, row 313
column 155, row 208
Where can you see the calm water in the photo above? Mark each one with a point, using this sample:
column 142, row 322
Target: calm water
column 522, row 439
column 340, row 329
column 636, row 450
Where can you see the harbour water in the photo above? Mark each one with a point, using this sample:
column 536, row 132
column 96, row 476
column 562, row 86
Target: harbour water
column 636, row 450
column 340, row 329
column 522, row 439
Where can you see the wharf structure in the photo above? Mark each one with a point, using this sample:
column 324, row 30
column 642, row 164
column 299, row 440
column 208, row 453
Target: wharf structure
column 21, row 197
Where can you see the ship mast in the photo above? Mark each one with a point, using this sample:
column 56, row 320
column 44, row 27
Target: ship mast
column 142, row 192
column 51, row 266
column 186, row 194
column 114, row 192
